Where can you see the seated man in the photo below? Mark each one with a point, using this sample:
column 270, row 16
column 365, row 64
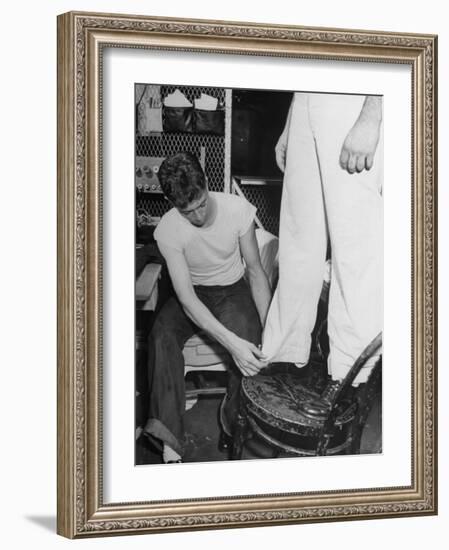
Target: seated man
column 203, row 239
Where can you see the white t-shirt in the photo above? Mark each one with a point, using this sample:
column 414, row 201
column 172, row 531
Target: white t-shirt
column 212, row 253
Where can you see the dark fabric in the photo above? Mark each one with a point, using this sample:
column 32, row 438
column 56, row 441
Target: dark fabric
column 178, row 119
column 209, row 122
column 234, row 307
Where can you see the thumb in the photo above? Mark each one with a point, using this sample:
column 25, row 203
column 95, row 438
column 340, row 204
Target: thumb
column 344, row 157
column 257, row 352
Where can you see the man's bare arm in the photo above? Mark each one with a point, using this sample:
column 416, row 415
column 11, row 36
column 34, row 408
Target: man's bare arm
column 246, row 355
column 257, row 278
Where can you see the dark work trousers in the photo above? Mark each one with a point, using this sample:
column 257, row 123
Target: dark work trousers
column 234, row 307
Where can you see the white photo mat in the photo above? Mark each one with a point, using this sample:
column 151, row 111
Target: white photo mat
column 122, row 480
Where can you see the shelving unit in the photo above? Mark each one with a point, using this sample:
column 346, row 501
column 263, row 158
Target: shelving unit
column 258, row 130
column 212, row 148
column 265, row 193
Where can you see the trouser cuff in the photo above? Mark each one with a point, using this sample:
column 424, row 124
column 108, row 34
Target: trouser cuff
column 158, row 430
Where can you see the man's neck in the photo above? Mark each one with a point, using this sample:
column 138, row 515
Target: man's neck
column 211, row 211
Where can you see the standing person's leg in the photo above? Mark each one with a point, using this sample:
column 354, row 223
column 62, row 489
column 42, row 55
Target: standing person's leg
column 170, row 331
column 302, row 246
column 354, row 210
column 234, row 307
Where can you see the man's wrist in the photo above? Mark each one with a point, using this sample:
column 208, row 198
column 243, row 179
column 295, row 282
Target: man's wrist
column 227, row 339
column 372, row 108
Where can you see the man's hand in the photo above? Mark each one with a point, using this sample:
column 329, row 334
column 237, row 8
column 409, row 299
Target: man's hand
column 359, row 147
column 248, row 357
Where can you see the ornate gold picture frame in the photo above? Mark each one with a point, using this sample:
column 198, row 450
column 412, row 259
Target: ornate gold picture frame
column 83, row 511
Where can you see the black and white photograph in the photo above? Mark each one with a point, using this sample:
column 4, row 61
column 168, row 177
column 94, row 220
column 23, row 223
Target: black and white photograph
column 247, row 285
column 223, row 236
column 259, row 275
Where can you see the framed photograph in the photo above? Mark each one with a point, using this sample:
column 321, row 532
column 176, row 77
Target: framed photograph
column 247, row 274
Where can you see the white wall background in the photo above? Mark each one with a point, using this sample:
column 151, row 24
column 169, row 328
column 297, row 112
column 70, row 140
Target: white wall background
column 28, row 273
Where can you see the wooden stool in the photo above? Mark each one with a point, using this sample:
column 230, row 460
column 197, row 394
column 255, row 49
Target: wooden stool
column 269, row 409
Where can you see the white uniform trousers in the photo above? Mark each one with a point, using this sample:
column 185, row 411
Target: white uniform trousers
column 322, row 201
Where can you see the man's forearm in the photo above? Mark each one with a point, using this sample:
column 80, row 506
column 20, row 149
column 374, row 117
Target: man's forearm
column 247, row 357
column 371, row 108
column 261, row 292
column 205, row 320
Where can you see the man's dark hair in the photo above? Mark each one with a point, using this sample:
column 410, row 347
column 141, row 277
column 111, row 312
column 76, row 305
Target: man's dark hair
column 182, row 178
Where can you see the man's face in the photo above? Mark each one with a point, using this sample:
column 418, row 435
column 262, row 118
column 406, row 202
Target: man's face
column 196, row 211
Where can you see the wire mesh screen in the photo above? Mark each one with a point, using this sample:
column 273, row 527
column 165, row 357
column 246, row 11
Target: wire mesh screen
column 148, row 206
column 165, row 144
column 267, row 200
column 194, row 92
column 208, row 146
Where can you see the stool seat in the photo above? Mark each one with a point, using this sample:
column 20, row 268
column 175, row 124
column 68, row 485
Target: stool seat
column 274, row 399
column 272, row 407
column 272, row 413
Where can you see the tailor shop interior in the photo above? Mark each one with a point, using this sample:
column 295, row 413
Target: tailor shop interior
column 233, row 133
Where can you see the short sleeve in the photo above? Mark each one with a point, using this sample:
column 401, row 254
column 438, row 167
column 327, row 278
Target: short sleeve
column 247, row 215
column 168, row 234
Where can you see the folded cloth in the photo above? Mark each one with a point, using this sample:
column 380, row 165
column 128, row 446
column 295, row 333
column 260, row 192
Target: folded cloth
column 206, row 103
column 177, row 99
